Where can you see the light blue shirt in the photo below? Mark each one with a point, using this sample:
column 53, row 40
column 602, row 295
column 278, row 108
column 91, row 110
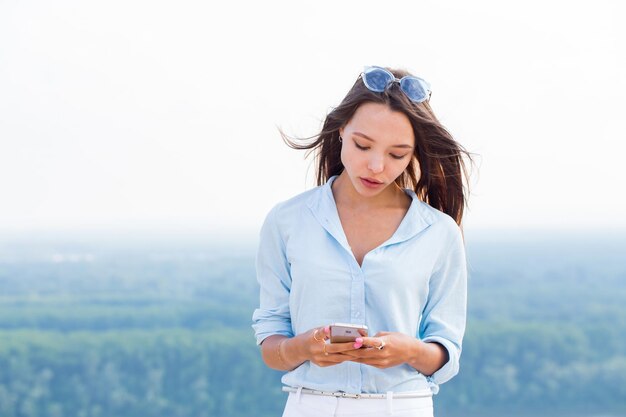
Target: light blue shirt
column 414, row 283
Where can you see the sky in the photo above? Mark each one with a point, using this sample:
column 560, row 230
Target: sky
column 153, row 115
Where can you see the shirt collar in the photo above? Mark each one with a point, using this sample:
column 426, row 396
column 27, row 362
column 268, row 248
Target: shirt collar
column 323, row 207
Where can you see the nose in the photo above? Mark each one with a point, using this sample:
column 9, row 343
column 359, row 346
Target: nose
column 376, row 164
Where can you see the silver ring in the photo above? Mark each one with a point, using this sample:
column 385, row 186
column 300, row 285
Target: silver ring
column 382, row 345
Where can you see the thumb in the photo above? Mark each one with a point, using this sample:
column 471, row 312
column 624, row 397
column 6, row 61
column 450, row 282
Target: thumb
column 373, row 342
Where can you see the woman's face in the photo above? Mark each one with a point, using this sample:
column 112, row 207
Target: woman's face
column 378, row 144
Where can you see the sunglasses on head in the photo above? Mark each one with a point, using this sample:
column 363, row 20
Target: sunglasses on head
column 378, row 79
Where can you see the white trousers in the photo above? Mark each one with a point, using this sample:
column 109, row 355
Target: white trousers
column 307, row 405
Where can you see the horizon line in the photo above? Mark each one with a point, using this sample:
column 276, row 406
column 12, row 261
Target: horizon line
column 238, row 234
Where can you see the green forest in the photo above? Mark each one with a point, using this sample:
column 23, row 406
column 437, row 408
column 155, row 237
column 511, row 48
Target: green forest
column 163, row 329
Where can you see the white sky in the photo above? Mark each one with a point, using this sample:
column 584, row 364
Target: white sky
column 152, row 114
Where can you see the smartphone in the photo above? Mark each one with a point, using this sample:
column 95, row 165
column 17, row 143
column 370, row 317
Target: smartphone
column 345, row 332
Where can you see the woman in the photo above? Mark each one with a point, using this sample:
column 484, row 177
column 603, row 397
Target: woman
column 362, row 249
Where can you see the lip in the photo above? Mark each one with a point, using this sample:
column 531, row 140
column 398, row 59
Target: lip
column 370, row 182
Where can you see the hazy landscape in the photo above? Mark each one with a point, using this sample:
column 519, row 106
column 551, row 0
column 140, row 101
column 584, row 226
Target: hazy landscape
column 160, row 326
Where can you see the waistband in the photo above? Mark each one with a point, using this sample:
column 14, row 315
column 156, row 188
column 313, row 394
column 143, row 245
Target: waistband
column 341, row 394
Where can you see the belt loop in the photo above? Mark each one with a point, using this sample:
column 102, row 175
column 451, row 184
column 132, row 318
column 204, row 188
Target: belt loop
column 298, row 393
column 390, row 402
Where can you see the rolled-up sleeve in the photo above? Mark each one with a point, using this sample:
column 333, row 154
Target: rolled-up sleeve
column 443, row 317
column 273, row 315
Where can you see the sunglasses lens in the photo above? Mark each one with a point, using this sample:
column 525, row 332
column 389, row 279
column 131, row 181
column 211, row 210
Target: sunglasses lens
column 376, row 79
column 415, row 89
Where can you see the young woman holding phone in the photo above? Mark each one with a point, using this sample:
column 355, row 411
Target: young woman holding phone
column 378, row 243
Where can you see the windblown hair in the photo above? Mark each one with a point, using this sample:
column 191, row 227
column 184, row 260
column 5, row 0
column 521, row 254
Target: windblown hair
column 437, row 172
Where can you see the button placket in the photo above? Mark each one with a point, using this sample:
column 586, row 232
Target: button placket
column 357, row 296
column 357, row 316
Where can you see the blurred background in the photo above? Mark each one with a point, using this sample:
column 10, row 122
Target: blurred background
column 140, row 153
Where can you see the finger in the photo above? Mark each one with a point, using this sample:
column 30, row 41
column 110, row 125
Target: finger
column 320, row 334
column 365, row 353
column 332, row 358
column 328, row 349
column 354, row 354
column 374, row 342
column 341, row 347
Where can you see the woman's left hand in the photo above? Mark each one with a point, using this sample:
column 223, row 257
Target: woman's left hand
column 397, row 348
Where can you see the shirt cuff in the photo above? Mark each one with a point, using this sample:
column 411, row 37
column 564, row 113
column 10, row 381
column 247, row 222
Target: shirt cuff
column 449, row 369
column 263, row 327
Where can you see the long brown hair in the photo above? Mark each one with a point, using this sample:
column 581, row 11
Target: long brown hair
column 443, row 182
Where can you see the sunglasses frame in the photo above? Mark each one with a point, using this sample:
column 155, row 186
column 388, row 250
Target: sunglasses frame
column 393, row 79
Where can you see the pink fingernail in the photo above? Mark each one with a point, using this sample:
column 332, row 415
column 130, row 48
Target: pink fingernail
column 327, row 329
column 358, row 345
column 359, row 340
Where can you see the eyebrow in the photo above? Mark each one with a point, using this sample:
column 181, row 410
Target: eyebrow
column 364, row 136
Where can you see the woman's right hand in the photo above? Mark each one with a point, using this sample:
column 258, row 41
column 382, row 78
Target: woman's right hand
column 322, row 353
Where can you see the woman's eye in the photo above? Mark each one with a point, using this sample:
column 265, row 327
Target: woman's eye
column 364, row 148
